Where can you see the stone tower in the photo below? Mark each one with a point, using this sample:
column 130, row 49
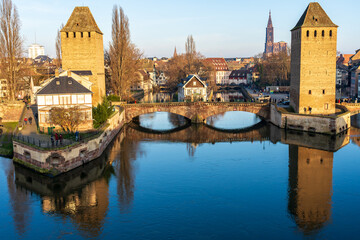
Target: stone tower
column 313, row 63
column 83, row 51
column 310, row 187
column 269, row 42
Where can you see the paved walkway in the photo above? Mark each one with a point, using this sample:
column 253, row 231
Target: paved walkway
column 29, row 132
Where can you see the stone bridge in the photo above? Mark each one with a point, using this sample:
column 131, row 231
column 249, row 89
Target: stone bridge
column 354, row 108
column 197, row 112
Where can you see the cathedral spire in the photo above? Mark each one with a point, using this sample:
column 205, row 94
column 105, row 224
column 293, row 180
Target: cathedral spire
column 175, row 53
column 269, row 21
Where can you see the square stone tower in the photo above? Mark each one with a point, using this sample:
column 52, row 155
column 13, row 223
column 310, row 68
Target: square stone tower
column 313, row 63
column 83, row 51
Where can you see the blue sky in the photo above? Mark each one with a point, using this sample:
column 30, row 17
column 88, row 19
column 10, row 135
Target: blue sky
column 221, row 28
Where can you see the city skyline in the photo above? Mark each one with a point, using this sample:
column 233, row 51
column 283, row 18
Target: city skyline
column 226, row 29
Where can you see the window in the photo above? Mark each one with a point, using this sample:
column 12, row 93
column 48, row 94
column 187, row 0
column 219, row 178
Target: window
column 315, row 33
column 80, row 99
column 194, row 83
column 48, row 100
column 89, row 35
column 307, row 33
column 74, row 34
column 326, row 106
column 82, row 34
column 309, row 91
column 323, row 91
column 330, row 33
column 323, row 33
column 67, row 34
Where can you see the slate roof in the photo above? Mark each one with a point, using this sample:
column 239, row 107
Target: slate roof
column 63, row 85
column 314, row 16
column 238, row 73
column 188, row 78
column 81, row 20
column 83, row 73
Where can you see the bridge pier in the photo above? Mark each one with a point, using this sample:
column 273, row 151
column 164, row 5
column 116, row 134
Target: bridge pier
column 197, row 119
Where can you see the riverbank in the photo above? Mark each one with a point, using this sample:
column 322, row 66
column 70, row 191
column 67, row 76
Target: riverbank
column 60, row 159
column 6, row 145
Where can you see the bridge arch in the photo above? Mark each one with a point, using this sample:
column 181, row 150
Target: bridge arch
column 196, row 111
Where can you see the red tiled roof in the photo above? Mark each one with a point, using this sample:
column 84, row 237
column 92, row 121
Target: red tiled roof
column 219, row 63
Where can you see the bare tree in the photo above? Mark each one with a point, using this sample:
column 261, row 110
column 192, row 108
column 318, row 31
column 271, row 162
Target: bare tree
column 124, row 56
column 68, row 119
column 11, row 47
column 190, row 52
column 58, row 47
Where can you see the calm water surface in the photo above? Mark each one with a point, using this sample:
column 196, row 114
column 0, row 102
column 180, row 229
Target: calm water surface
column 197, row 183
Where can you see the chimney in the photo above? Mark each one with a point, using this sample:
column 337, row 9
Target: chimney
column 56, row 73
column 69, row 73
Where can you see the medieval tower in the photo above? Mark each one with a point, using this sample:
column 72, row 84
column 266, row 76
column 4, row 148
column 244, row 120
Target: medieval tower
column 313, row 63
column 82, row 50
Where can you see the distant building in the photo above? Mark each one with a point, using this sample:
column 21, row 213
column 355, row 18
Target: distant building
column 35, row 50
column 3, row 89
column 355, row 81
column 222, row 72
column 65, row 90
column 238, row 77
column 272, row 47
column 192, row 88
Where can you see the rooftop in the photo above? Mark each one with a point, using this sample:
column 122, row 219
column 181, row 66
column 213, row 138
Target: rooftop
column 62, row 85
column 81, row 20
column 314, row 16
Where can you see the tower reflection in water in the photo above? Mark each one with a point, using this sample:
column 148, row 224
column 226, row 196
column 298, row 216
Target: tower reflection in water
column 83, row 194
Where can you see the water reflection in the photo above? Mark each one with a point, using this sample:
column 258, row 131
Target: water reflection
column 84, row 195
column 310, row 187
column 233, row 120
column 161, row 121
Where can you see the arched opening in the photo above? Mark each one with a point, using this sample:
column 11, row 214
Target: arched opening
column 233, row 120
column 307, row 33
column 330, row 33
column 161, row 121
column 315, row 33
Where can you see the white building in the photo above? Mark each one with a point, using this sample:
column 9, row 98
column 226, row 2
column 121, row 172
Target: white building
column 192, row 89
column 65, row 90
column 36, row 50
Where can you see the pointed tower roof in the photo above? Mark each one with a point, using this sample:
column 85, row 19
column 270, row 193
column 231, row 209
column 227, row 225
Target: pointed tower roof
column 314, row 16
column 81, row 20
column 270, row 21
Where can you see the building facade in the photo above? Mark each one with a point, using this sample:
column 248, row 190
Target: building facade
column 313, row 63
column 192, row 89
column 272, row 47
column 65, row 91
column 222, row 72
column 82, row 49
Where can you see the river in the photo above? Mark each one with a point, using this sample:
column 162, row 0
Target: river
column 200, row 182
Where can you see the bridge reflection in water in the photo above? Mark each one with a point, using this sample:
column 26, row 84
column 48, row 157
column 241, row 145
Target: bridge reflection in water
column 83, row 194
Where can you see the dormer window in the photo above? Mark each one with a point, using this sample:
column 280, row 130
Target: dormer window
column 57, row 82
column 69, row 82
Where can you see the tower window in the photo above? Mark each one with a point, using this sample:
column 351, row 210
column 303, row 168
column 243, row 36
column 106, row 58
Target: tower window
column 74, row 34
column 89, row 34
column 315, row 33
column 323, row 91
column 323, row 33
column 326, row 106
column 330, row 33
column 309, row 91
column 82, row 34
column 307, row 33
column 67, row 34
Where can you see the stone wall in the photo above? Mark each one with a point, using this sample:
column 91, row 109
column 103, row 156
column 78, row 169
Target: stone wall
column 310, row 123
column 70, row 157
column 11, row 112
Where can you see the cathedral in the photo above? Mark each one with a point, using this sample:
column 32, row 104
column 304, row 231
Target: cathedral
column 272, row 47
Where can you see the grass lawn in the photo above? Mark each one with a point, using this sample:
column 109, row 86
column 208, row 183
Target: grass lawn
column 6, row 148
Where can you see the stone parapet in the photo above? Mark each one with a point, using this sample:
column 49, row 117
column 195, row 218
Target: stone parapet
column 11, row 112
